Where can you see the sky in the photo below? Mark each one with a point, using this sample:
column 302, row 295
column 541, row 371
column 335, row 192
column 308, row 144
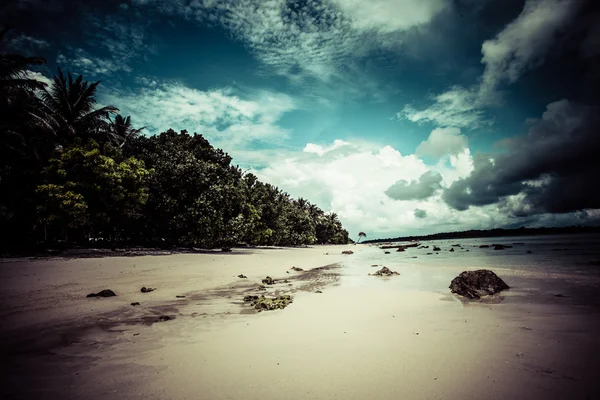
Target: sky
column 404, row 117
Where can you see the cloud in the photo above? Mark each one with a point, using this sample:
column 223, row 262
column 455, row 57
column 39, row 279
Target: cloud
column 38, row 77
column 420, row 213
column 391, row 15
column 309, row 42
column 522, row 45
column 321, row 150
column 549, row 170
column 458, row 107
column 422, row 189
column 27, row 42
column 443, row 141
column 81, row 62
column 352, row 181
column 221, row 115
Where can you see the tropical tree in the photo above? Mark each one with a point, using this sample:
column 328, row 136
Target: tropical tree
column 360, row 236
column 121, row 128
column 71, row 103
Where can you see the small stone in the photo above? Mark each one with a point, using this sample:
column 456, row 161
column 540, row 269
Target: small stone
column 242, row 276
column 180, row 297
column 136, row 303
column 163, row 318
column 318, row 291
column 268, row 281
column 145, row 289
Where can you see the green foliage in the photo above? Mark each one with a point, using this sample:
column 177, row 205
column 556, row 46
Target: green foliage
column 69, row 173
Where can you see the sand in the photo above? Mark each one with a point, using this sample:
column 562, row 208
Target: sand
column 360, row 338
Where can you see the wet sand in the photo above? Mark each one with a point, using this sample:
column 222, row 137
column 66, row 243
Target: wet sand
column 362, row 337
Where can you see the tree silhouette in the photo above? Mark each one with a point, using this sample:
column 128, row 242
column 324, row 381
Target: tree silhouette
column 360, row 236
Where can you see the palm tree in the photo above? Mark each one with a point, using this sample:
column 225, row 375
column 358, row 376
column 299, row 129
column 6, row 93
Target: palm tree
column 121, row 128
column 13, row 70
column 360, row 236
column 71, row 102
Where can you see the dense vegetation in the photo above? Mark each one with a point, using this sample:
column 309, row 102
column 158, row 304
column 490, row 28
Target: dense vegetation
column 73, row 173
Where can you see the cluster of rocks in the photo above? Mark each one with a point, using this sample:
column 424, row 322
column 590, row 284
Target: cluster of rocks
column 262, row 303
column 385, row 271
column 269, row 281
column 297, row 269
column 242, row 276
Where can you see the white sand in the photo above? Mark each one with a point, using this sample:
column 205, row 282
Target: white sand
column 354, row 341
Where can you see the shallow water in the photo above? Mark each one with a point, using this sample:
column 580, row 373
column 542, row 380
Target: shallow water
column 560, row 268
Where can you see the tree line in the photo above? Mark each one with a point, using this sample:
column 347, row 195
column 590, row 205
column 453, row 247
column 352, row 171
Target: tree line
column 72, row 173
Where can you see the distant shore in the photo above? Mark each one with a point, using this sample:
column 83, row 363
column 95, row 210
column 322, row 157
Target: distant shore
column 498, row 232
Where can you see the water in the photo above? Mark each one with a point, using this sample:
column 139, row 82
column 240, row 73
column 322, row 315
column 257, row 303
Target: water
column 560, row 268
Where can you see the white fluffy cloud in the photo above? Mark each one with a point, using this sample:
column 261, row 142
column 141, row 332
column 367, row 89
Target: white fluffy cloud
column 81, row 62
column 353, row 182
column 221, row 115
column 443, row 141
column 520, row 46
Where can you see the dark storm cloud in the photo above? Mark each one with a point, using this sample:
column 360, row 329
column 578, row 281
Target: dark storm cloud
column 425, row 187
column 420, row 213
column 554, row 168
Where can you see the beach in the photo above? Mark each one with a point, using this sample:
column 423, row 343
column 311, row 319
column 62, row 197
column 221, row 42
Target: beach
column 346, row 335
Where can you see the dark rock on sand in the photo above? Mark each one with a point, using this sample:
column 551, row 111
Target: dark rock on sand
column 435, row 248
column 452, row 249
column 456, row 245
column 103, row 293
column 147, row 289
column 263, row 303
column 474, row 284
column 180, row 297
column 401, row 249
column 528, row 251
column 347, row 252
column 297, row 269
column 164, row 318
column 268, row 281
column 484, row 246
column 385, row 271
column 242, row 276
column 318, row 291
column 429, row 254
column 137, row 303
column 501, row 246
column 387, row 252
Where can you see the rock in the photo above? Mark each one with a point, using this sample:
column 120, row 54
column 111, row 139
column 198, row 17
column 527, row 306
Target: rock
column 137, row 303
column 263, row 303
column 180, row 297
column 429, row 254
column 318, row 291
column 103, row 293
column 268, row 281
column 452, row 249
column 501, row 246
column 474, row 284
column 385, row 271
column 347, row 252
column 435, row 248
column 242, row 276
column 164, row 318
column 484, row 246
column 456, row 245
column 286, row 281
column 387, row 252
column 145, row 289
column 401, row 249
column 375, row 265
column 528, row 251
column 297, row 269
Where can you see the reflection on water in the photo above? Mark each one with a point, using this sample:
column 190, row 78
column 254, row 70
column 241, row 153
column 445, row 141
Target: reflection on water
column 546, row 268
